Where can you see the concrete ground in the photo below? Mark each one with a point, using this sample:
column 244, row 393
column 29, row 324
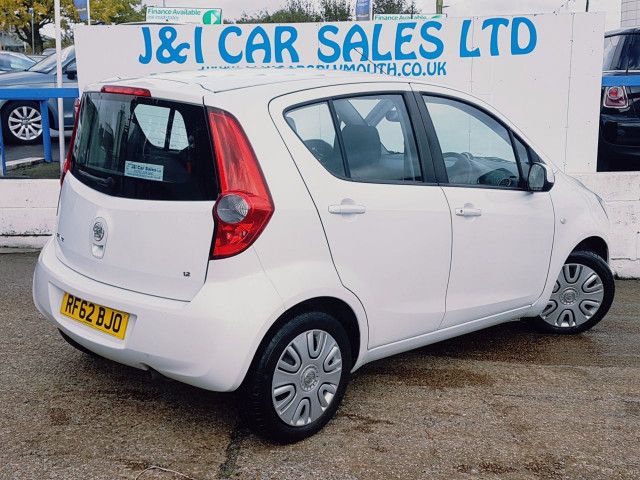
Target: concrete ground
column 17, row 152
column 503, row 403
column 26, row 161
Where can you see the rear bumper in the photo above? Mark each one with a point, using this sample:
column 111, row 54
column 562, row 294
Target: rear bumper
column 208, row 342
column 613, row 157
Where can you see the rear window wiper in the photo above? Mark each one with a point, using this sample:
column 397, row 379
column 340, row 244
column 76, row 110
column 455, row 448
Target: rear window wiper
column 108, row 182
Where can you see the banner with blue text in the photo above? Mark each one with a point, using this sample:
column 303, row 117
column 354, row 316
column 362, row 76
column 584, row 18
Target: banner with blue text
column 543, row 71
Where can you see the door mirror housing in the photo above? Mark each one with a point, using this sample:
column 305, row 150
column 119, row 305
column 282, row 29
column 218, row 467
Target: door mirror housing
column 541, row 178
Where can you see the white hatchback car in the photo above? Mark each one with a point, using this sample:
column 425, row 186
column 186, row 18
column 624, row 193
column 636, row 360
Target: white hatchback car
column 272, row 231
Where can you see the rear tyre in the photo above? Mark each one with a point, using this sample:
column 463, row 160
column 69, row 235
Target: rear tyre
column 22, row 123
column 77, row 346
column 297, row 379
column 582, row 295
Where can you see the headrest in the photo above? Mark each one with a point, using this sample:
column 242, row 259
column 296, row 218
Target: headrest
column 362, row 145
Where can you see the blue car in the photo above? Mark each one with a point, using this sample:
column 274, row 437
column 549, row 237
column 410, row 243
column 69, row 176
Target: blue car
column 14, row 62
column 21, row 119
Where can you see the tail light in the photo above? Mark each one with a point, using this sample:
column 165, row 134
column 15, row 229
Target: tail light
column 122, row 90
column 76, row 108
column 244, row 205
column 616, row 97
column 67, row 161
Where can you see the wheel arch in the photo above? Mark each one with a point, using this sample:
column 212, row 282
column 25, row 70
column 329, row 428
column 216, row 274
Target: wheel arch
column 594, row 244
column 334, row 306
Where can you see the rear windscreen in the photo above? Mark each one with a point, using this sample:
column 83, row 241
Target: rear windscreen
column 144, row 148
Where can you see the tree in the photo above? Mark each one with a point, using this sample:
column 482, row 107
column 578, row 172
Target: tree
column 335, row 10
column 298, row 11
column 14, row 15
column 116, row 11
column 395, row 6
column 293, row 11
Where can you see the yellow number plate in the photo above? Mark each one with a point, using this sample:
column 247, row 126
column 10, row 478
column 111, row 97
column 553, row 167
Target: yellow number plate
column 105, row 319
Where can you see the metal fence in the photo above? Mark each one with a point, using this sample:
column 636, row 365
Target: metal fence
column 42, row 96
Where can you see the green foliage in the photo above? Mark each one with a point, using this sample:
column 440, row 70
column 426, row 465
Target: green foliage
column 335, row 10
column 15, row 16
column 116, row 11
column 300, row 11
column 395, row 6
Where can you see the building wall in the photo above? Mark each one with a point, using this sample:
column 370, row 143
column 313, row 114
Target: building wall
column 630, row 13
column 28, row 214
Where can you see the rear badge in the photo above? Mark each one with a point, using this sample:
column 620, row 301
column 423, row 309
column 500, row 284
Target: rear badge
column 98, row 237
column 98, row 231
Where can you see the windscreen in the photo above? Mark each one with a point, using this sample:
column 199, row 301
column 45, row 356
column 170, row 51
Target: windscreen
column 48, row 64
column 144, row 148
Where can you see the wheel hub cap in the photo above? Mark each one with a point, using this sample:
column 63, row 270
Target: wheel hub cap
column 569, row 296
column 309, row 379
column 25, row 123
column 577, row 296
column 306, row 377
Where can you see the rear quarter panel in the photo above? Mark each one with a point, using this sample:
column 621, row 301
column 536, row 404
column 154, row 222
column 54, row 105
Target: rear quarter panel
column 293, row 248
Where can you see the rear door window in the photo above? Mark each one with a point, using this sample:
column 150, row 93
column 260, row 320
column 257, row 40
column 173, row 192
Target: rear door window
column 632, row 52
column 621, row 53
column 612, row 53
column 366, row 138
column 144, row 148
column 378, row 138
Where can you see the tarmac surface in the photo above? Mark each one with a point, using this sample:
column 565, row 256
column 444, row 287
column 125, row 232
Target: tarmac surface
column 504, row 403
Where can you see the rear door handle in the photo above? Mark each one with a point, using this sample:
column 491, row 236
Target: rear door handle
column 346, row 209
column 468, row 212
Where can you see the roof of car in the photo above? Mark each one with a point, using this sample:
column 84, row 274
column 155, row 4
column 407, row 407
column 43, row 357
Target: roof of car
column 222, row 80
column 623, row 31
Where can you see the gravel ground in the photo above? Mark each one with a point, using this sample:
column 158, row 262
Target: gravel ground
column 503, row 403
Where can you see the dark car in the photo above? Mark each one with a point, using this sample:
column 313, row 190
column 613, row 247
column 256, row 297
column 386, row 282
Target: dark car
column 619, row 138
column 21, row 119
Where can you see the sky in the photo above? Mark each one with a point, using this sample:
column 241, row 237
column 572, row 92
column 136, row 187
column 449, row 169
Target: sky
column 457, row 8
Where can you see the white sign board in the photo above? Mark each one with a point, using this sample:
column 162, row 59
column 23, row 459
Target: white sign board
column 205, row 16
column 542, row 71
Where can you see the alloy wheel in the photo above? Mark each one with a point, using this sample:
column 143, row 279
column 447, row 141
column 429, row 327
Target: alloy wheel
column 577, row 296
column 306, row 378
column 25, row 122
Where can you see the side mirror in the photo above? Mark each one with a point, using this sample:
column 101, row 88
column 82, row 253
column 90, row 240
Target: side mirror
column 71, row 71
column 541, row 178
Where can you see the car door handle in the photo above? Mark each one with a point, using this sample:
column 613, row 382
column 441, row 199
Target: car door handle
column 468, row 212
column 346, row 209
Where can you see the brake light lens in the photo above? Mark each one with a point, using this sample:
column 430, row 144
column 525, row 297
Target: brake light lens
column 616, row 97
column 76, row 107
column 244, row 206
column 66, row 166
column 138, row 92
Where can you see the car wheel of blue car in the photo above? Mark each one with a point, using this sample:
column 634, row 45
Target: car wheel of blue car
column 22, row 123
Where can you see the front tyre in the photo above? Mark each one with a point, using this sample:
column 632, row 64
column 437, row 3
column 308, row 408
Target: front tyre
column 298, row 378
column 582, row 295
